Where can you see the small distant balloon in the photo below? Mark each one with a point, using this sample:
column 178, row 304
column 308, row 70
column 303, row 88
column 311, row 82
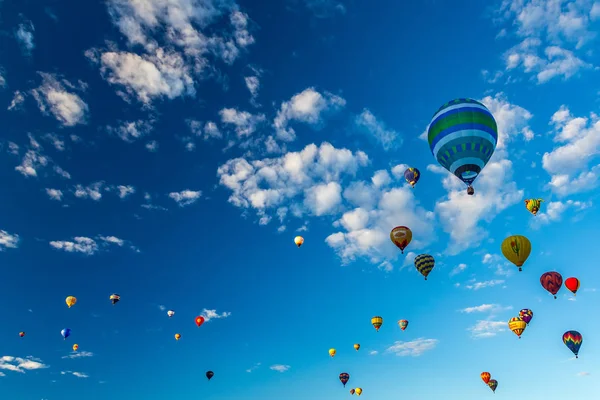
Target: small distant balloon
column 552, row 282
column 517, row 325
column 358, row 391
column 299, row 240
column 351, row 391
column 526, row 315
column 377, row 322
column 516, row 249
column 199, row 320
column 71, row 300
column 170, row 313
column 533, row 205
column 75, row 347
column 493, row 384
column 65, row 333
column 356, row 346
column 573, row 340
column 332, row 352
column 209, row 375
column 344, row 378
column 485, row 377
column 403, row 324
column 177, row 336
column 114, row 298
column 424, row 263
column 21, row 334
column 412, row 176
column 573, row 285
column 401, row 237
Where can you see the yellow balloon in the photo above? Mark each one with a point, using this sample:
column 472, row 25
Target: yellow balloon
column 516, row 249
column 298, row 240
column 71, row 300
column 177, row 336
column 75, row 347
column 356, row 346
column 358, row 391
column 332, row 352
column 517, row 325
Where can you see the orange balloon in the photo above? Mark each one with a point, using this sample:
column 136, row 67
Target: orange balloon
column 485, row 377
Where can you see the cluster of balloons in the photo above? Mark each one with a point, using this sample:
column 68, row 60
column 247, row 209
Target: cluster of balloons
column 492, row 383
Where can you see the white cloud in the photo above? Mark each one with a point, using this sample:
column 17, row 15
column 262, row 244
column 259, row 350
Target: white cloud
column 8, row 240
column 373, row 352
column 487, row 328
column 185, row 197
column 584, row 373
column 54, row 194
column 306, row 106
column 413, row 348
column 55, row 140
column 17, row 100
column 18, row 364
column 207, row 131
column 569, row 163
column 495, row 190
column 152, row 146
column 24, row 35
column 484, row 284
column 74, row 373
column 212, row 314
column 244, row 122
column 325, row 8
column 484, row 308
column 52, row 96
column 458, row 269
column 388, row 138
column 130, row 131
column 254, row 367
column 554, row 210
column 85, row 245
column 79, row 354
column 92, row 191
column 280, row 367
column 125, row 191
column 253, row 84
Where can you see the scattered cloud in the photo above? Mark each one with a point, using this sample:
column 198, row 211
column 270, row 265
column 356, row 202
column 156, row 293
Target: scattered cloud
column 458, row 269
column 554, row 211
column 212, row 314
column 74, row 373
column 54, row 98
column 244, row 122
column 487, row 328
column 373, row 352
column 389, row 139
column 88, row 246
column 130, row 131
column 54, row 194
column 280, row 367
column 25, row 37
column 18, row 364
column 583, row 374
column 8, row 240
column 79, row 354
column 484, row 308
column 254, row 367
column 185, row 197
column 484, row 284
column 413, row 348
column 125, row 191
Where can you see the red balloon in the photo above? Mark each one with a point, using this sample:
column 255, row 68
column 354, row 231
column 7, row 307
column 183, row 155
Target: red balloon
column 572, row 284
column 551, row 281
column 199, row 320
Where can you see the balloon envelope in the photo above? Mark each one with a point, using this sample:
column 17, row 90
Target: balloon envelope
column 210, row 374
column 401, row 237
column 526, row 315
column 299, row 240
column 493, row 384
column 551, row 281
column 516, row 249
column 412, row 176
column 573, row 340
column 424, row 263
column 572, row 284
column 485, row 377
column 65, row 333
column 377, row 322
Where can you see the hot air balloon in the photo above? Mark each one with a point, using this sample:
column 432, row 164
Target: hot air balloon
column 526, row 315
column 351, row 391
column 344, row 378
column 298, row 240
column 177, row 336
column 377, row 322
column 114, row 298
column 358, row 391
column 403, row 324
column 424, row 263
column 356, row 346
column 551, row 281
column 573, row 285
column 485, row 377
column 170, row 313
column 332, row 352
column 71, row 300
column 573, row 340
column 21, row 334
column 209, row 374
column 516, row 249
column 493, row 384
column 517, row 325
column 533, row 205
column 65, row 333
column 401, row 237
column 199, row 320
column 412, row 176
column 462, row 137
column 75, row 347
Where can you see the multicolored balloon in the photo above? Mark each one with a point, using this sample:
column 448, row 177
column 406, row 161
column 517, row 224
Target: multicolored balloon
column 573, row 285
column 462, row 137
column 552, row 282
column 493, row 384
column 170, row 313
column 114, row 298
column 21, row 334
column 65, row 333
column 377, row 322
column 401, row 237
column 356, row 346
column 299, row 240
column 526, row 315
column 344, row 378
column 75, row 347
column 517, row 325
column 332, row 352
column 485, row 377
column 209, row 375
column 424, row 263
column 516, row 249
column 412, row 176
column 403, row 324
column 573, row 340
column 71, row 300
column 533, row 205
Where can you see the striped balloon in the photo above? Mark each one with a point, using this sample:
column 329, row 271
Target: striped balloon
column 424, row 264
column 573, row 340
column 462, row 137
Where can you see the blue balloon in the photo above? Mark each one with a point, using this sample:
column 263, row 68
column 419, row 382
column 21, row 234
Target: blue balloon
column 65, row 333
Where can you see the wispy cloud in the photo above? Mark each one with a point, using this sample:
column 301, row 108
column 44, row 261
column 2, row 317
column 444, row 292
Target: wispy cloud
column 484, row 284
column 487, row 328
column 280, row 367
column 8, row 240
column 79, row 354
column 254, row 367
column 212, row 314
column 583, row 374
column 75, row 373
column 485, row 308
column 413, row 348
column 18, row 364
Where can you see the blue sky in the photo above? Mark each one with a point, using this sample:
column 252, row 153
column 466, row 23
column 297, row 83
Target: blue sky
column 171, row 152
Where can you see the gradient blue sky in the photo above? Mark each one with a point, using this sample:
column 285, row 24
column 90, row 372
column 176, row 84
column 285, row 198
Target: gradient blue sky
column 171, row 152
